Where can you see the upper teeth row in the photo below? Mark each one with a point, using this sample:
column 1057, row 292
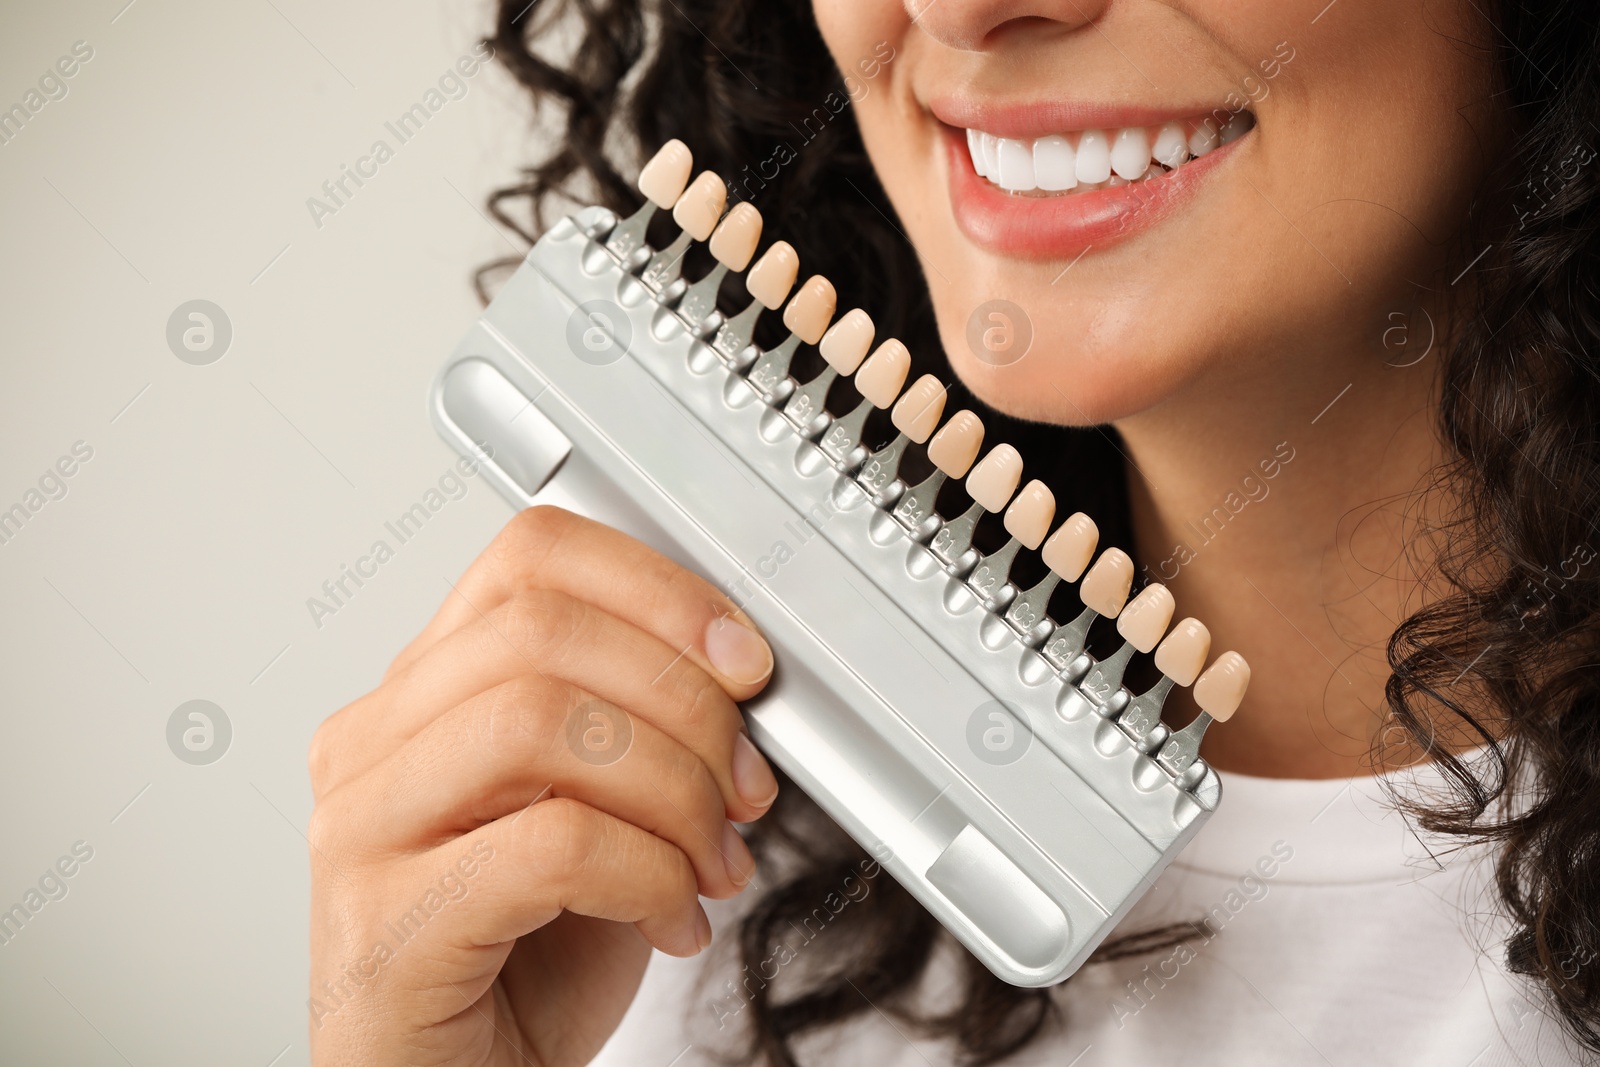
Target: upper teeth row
column 1060, row 162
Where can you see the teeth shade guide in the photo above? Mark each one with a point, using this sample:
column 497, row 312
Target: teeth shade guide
column 1219, row 692
column 951, row 451
column 1179, row 658
column 662, row 181
column 768, row 283
column 1066, row 554
column 991, row 484
column 879, row 380
column 881, row 373
column 732, row 245
column 915, row 415
column 1027, row 521
column 1141, row 625
column 697, row 212
column 844, row 346
column 807, row 315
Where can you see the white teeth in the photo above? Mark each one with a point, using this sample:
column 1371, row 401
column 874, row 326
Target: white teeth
column 1170, row 149
column 974, row 148
column 1094, row 157
column 1098, row 159
column 1204, row 138
column 1130, row 154
column 1016, row 165
column 1054, row 163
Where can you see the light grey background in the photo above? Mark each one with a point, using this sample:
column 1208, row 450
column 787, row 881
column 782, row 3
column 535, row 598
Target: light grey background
column 219, row 497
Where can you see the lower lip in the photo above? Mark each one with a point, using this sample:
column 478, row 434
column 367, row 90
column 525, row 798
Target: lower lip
column 1055, row 227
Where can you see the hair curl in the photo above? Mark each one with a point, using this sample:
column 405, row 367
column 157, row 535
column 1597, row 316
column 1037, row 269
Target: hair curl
column 1508, row 653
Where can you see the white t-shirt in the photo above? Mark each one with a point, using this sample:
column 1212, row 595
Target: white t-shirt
column 1340, row 939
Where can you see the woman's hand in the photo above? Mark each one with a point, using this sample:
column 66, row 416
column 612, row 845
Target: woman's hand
column 532, row 799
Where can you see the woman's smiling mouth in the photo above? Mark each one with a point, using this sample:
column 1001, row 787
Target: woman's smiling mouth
column 1022, row 188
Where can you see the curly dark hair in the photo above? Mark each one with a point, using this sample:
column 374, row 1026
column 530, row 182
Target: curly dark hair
column 1507, row 652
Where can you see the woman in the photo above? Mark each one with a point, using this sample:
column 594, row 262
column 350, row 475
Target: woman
column 1366, row 265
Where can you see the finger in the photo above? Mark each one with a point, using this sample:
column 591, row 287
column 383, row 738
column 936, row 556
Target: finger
column 535, row 737
column 554, row 635
column 525, row 869
column 546, row 547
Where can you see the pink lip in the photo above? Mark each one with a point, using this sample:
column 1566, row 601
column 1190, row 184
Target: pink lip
column 1056, row 227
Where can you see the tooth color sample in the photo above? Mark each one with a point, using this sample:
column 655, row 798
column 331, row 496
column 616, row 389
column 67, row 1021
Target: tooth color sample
column 1184, row 652
column 1055, row 164
column 1016, row 164
column 700, row 206
column 1105, row 587
column 664, row 177
column 770, row 280
column 808, row 314
column 884, row 373
column 845, row 344
column 1145, row 619
column 1028, row 517
column 1171, row 148
column 1094, row 157
column 993, row 481
column 990, row 145
column 919, row 411
column 956, row 444
column 1220, row 690
column 1071, row 547
column 733, row 242
column 1130, row 155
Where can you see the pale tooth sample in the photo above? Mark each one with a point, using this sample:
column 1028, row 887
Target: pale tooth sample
column 1093, row 160
column 1171, row 148
column 1203, row 138
column 734, row 240
column 918, row 412
column 1105, row 588
column 1130, row 153
column 770, row 280
column 956, row 444
column 988, row 144
column 1028, row 517
column 884, row 372
column 1184, row 651
column 1066, row 553
column 993, row 482
column 808, row 314
column 1016, row 165
column 664, row 177
column 1072, row 545
column 1054, row 163
column 845, row 344
column 700, row 206
column 1145, row 618
column 1220, row 690
column 975, row 150
column 1241, row 124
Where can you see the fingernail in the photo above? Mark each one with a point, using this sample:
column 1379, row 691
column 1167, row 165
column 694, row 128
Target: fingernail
column 702, row 927
column 736, row 856
column 753, row 779
column 737, row 651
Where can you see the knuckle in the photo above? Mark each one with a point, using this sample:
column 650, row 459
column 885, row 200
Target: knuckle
column 518, row 716
column 564, row 836
column 531, row 532
column 325, row 829
column 539, row 622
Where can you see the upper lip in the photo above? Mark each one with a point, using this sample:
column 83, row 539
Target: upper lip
column 1029, row 118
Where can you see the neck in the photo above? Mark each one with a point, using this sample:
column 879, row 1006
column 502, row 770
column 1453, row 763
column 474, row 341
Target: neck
column 1274, row 511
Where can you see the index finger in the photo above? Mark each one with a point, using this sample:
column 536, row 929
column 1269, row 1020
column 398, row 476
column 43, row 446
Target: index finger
column 551, row 548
